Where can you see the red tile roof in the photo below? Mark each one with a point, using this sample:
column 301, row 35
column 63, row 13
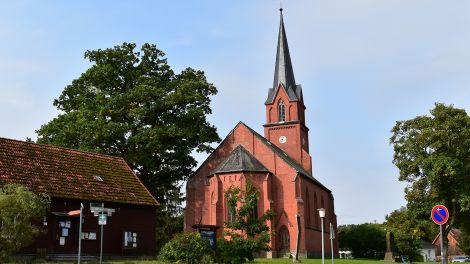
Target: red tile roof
column 68, row 173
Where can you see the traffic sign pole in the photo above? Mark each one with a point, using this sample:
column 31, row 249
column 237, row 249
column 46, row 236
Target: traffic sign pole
column 440, row 215
column 442, row 244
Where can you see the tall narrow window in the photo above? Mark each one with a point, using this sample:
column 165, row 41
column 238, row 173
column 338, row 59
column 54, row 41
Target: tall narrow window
column 254, row 210
column 230, row 213
column 315, row 204
column 281, row 111
column 307, row 209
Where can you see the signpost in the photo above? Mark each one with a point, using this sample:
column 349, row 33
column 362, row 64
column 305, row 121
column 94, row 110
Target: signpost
column 99, row 210
column 101, row 222
column 440, row 215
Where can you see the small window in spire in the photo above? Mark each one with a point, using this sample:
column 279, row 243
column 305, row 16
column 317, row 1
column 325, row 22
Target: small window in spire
column 281, row 111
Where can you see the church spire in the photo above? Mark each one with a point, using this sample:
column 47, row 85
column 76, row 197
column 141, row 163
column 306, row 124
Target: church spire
column 283, row 72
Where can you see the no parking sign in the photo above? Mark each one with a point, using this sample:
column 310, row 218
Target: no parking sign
column 440, row 214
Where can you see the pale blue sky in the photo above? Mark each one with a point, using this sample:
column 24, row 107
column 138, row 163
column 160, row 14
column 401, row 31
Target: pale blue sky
column 363, row 64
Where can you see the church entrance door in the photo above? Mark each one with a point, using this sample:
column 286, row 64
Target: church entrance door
column 284, row 239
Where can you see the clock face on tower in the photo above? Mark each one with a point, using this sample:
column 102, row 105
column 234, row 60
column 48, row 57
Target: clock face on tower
column 282, row 139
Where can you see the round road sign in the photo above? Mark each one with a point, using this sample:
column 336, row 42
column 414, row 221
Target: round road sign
column 439, row 214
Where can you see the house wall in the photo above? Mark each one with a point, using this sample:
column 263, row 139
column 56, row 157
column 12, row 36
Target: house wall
column 452, row 247
column 429, row 254
column 132, row 218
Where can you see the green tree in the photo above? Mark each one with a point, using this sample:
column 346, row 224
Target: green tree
column 364, row 240
column 247, row 231
column 131, row 104
column 409, row 232
column 19, row 208
column 432, row 154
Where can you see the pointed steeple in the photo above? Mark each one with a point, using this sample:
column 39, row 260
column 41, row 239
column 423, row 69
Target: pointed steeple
column 283, row 72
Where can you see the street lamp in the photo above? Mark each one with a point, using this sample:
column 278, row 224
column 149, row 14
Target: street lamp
column 321, row 212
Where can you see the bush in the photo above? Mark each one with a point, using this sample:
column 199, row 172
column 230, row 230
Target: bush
column 187, row 248
column 239, row 249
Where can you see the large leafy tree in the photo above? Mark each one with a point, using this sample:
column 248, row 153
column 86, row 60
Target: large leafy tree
column 131, row 104
column 19, row 208
column 433, row 156
column 364, row 240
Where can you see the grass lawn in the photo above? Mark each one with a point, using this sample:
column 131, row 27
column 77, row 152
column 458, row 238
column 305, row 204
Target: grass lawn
column 257, row 261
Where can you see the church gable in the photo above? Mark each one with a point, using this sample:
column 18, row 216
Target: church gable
column 263, row 155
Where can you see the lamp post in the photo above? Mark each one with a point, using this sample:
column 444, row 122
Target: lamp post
column 321, row 212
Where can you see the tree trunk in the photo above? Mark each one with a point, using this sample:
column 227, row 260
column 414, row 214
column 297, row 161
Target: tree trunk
column 445, row 241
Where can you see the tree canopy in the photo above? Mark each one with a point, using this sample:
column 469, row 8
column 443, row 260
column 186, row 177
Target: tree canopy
column 131, row 104
column 365, row 240
column 19, row 208
column 432, row 154
column 409, row 232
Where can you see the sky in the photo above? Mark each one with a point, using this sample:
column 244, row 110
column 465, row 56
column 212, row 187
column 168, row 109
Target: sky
column 363, row 65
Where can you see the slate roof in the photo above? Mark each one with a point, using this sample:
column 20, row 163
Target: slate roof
column 68, row 173
column 283, row 71
column 239, row 160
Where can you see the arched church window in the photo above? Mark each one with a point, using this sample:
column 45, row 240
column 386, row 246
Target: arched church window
column 281, row 111
column 315, row 204
column 254, row 210
column 230, row 213
column 307, row 209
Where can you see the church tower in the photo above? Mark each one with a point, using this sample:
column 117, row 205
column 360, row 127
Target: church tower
column 285, row 109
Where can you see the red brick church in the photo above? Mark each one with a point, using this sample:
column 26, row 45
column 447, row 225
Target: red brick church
column 278, row 164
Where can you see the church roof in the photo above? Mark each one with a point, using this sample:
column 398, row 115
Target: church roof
column 240, row 160
column 68, row 173
column 283, row 72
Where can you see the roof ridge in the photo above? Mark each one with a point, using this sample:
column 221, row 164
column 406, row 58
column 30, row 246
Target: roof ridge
column 70, row 150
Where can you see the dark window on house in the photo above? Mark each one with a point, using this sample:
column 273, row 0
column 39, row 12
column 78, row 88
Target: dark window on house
column 130, row 240
column 281, row 111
